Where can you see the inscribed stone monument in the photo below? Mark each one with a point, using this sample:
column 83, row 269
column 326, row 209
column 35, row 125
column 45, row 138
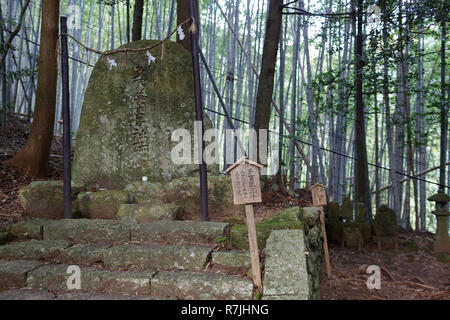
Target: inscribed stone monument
column 133, row 102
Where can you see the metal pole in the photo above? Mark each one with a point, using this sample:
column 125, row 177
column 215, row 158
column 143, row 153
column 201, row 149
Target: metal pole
column 199, row 113
column 66, row 120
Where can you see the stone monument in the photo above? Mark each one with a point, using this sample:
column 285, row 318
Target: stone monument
column 133, row 103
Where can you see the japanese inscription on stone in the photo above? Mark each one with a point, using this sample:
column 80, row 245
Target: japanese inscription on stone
column 139, row 130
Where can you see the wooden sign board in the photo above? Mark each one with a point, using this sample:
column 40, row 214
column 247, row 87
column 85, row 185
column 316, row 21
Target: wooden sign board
column 319, row 195
column 245, row 181
column 247, row 190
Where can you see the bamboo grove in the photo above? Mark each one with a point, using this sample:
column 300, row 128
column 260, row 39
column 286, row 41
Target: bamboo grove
column 394, row 51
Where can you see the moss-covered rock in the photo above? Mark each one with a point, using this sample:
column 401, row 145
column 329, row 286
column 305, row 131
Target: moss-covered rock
column 144, row 213
column 335, row 230
column 310, row 215
column 5, row 237
column 101, row 204
column 184, row 192
column 126, row 133
column 235, row 220
column 45, row 199
column 31, row 229
column 352, row 236
column 290, row 214
column 365, row 229
column 239, row 233
column 333, row 211
column 347, row 209
column 361, row 212
column 385, row 222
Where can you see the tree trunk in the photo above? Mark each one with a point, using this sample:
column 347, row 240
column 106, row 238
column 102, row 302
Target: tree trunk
column 267, row 71
column 137, row 19
column 361, row 168
column 33, row 159
column 183, row 15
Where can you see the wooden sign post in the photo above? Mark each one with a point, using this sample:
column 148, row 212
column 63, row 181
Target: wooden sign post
column 247, row 190
column 319, row 200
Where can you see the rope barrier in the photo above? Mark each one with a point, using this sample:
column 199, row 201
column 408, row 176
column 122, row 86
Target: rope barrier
column 191, row 29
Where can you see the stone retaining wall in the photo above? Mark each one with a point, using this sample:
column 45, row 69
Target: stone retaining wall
column 306, row 219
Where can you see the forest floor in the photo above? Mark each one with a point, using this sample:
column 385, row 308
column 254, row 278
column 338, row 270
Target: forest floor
column 413, row 272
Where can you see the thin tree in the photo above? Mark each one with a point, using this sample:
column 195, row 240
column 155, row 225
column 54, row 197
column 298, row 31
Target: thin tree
column 268, row 62
column 33, row 159
column 137, row 20
column 361, row 168
column 183, row 15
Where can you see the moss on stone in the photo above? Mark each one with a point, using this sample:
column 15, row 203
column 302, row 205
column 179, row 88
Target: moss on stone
column 310, row 215
column 239, row 233
column 45, row 199
column 352, row 236
column 101, row 204
column 361, row 212
column 366, row 231
column 235, row 220
column 347, row 209
column 114, row 147
column 290, row 214
column 333, row 211
column 385, row 222
column 184, row 192
column 4, row 238
column 335, row 230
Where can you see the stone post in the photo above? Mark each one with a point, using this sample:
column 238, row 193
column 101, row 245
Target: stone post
column 442, row 244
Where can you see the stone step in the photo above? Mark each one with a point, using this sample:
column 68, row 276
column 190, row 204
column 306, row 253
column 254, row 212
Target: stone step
column 285, row 270
column 13, row 274
column 35, row 294
column 180, row 232
column 201, row 286
column 33, row 249
column 26, row 294
column 231, row 260
column 130, row 256
column 114, row 231
column 144, row 213
column 166, row 257
column 55, row 278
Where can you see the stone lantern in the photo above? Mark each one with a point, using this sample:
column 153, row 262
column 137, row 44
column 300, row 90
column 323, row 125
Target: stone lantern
column 442, row 244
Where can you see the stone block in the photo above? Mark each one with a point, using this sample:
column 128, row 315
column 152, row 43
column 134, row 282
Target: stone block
column 146, row 212
column 45, row 199
column 201, row 286
column 101, row 204
column 285, row 265
column 13, row 274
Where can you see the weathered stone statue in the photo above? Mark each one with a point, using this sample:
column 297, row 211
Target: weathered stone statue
column 385, row 227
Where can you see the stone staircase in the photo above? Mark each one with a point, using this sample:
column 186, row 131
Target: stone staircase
column 122, row 259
